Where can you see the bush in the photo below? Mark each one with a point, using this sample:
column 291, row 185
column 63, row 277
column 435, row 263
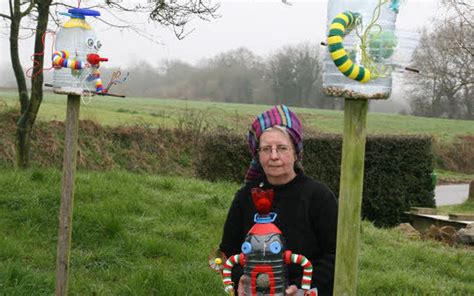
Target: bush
column 457, row 156
column 397, row 177
column 397, row 170
column 223, row 157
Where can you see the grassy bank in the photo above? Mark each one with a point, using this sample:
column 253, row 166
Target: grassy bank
column 111, row 111
column 447, row 177
column 465, row 208
column 137, row 234
column 453, row 140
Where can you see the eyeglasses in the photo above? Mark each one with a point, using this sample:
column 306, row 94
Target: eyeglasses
column 280, row 149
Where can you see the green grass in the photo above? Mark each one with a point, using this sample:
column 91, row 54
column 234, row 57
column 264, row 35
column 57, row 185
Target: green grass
column 132, row 234
column 391, row 264
column 465, row 208
column 139, row 234
column 453, row 177
column 168, row 113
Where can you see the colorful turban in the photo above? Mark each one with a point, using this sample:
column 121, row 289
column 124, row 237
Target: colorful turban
column 278, row 115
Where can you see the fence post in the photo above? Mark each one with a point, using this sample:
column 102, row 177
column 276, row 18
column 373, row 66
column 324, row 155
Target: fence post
column 471, row 191
column 350, row 196
column 67, row 193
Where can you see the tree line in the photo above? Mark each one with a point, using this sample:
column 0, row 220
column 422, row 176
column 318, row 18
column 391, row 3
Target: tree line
column 291, row 75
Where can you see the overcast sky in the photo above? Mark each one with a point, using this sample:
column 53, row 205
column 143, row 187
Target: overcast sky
column 260, row 25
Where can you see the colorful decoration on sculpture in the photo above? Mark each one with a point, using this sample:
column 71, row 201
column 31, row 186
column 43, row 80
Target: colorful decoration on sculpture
column 395, row 5
column 116, row 79
column 216, row 262
column 264, row 255
column 340, row 26
column 75, row 60
column 61, row 59
column 380, row 44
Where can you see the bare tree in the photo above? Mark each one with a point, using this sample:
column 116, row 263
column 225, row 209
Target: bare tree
column 446, row 81
column 29, row 103
column 236, row 74
column 294, row 72
column 463, row 18
column 460, row 13
column 178, row 14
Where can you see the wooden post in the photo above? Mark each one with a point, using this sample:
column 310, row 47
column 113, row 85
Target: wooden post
column 67, row 194
column 471, row 191
column 350, row 197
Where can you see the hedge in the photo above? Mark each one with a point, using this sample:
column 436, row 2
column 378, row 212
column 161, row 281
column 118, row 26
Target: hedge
column 397, row 170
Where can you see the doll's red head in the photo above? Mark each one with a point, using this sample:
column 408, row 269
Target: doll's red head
column 262, row 200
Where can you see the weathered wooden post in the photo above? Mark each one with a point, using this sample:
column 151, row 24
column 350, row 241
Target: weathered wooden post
column 76, row 73
column 471, row 191
column 350, row 196
column 67, row 193
column 361, row 73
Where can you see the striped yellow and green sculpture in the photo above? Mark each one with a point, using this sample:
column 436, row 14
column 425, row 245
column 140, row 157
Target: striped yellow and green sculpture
column 341, row 25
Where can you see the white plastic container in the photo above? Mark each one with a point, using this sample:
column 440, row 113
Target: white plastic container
column 78, row 39
column 380, row 48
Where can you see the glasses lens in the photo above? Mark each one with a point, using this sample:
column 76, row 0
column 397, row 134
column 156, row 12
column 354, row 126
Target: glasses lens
column 280, row 149
column 283, row 149
column 265, row 149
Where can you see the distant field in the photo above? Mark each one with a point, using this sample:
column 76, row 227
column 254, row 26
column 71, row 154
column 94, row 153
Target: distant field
column 170, row 113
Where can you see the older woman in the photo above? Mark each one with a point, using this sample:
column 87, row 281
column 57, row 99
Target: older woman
column 306, row 209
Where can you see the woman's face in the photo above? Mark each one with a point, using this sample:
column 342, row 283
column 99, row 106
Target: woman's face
column 277, row 156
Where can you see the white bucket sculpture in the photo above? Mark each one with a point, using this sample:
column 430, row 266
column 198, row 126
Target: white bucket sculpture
column 75, row 59
column 361, row 42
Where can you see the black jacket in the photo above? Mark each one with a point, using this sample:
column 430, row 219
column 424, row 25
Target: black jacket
column 307, row 217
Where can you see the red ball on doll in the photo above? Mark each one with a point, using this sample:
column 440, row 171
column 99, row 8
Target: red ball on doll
column 262, row 200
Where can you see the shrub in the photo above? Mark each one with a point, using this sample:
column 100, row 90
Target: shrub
column 397, row 169
column 223, row 157
column 397, row 176
column 457, row 156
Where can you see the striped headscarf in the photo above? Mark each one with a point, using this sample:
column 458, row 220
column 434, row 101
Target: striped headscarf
column 278, row 115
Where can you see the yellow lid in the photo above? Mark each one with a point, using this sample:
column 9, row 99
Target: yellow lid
column 76, row 22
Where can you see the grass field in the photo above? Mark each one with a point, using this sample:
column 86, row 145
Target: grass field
column 151, row 235
column 467, row 208
column 169, row 113
column 447, row 177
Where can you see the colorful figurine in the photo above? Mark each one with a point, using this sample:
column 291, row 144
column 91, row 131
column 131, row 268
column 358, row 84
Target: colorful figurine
column 264, row 257
column 75, row 60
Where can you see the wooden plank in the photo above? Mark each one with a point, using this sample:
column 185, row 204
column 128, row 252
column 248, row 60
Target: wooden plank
column 350, row 196
column 419, row 210
column 461, row 217
column 422, row 222
column 67, row 194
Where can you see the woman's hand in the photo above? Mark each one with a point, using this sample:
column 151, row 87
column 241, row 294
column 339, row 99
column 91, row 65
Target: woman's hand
column 242, row 282
column 291, row 290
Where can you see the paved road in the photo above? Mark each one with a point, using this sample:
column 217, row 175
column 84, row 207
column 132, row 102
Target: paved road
column 451, row 194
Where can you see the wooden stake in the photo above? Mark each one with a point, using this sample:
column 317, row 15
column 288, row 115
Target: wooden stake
column 471, row 191
column 67, row 194
column 350, row 196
